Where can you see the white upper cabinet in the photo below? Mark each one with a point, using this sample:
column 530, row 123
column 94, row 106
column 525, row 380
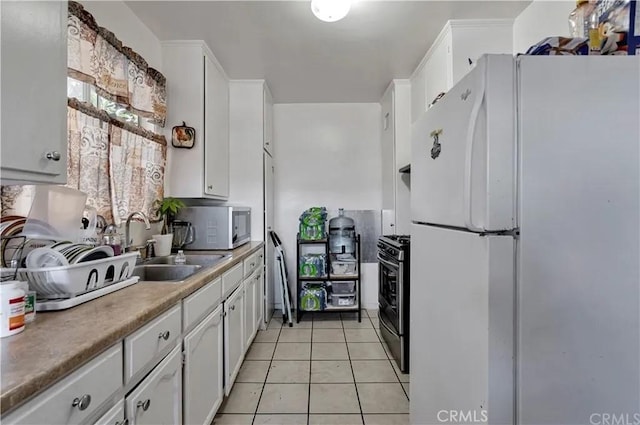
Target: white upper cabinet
column 453, row 54
column 198, row 95
column 216, row 130
column 267, row 108
column 396, row 153
column 34, row 91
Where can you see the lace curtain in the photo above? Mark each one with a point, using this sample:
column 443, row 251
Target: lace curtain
column 119, row 166
column 97, row 57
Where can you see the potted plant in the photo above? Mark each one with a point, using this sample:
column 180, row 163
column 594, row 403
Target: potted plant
column 167, row 210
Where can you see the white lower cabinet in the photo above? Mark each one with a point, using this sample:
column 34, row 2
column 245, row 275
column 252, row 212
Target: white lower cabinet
column 253, row 305
column 75, row 398
column 249, row 286
column 203, row 372
column 158, row 398
column 258, row 318
column 234, row 342
column 115, row 415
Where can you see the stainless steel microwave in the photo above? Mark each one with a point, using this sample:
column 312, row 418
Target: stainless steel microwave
column 218, row 227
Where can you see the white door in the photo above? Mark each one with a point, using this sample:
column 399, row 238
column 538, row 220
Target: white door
column 270, row 258
column 578, row 310
column 233, row 337
column 34, row 87
column 268, row 120
column 389, row 169
column 216, row 131
column 259, row 305
column 203, row 369
column 462, row 148
column 157, row 400
column 249, row 309
column 461, row 321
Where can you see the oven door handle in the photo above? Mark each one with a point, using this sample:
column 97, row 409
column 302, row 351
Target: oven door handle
column 400, row 297
column 387, row 262
column 386, row 326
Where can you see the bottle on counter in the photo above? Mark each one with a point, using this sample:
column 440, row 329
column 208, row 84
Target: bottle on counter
column 112, row 238
column 11, row 308
column 180, row 258
column 593, row 29
column 578, row 18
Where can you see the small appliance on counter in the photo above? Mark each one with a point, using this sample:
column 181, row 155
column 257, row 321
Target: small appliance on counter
column 217, row 227
column 182, row 233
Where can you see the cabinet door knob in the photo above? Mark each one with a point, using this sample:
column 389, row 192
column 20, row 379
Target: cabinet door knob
column 164, row 335
column 233, row 307
column 125, row 422
column 53, row 156
column 210, row 187
column 82, row 402
column 144, row 404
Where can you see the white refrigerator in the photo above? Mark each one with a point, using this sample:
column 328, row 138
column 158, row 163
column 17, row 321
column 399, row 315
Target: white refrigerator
column 525, row 245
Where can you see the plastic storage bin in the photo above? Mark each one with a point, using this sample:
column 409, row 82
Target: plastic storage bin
column 338, row 300
column 343, row 288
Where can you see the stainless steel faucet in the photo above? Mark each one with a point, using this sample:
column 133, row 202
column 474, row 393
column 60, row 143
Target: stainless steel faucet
column 127, row 233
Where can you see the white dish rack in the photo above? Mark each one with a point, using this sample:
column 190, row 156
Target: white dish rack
column 77, row 279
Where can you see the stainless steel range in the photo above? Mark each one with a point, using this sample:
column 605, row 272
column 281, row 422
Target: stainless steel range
column 393, row 295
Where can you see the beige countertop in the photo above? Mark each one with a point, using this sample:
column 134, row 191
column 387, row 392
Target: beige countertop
column 57, row 343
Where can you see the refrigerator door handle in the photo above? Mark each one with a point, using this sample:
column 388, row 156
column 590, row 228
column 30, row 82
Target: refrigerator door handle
column 468, row 175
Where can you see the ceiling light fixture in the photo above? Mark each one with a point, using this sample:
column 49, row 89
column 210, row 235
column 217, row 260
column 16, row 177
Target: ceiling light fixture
column 330, row 10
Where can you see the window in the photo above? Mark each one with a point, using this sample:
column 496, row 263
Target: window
column 87, row 93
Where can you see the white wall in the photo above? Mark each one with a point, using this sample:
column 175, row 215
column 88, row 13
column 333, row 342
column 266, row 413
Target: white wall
column 328, row 155
column 118, row 18
column 542, row 18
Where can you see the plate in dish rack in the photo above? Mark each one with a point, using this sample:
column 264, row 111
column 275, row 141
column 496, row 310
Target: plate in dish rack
column 45, row 257
column 97, row 253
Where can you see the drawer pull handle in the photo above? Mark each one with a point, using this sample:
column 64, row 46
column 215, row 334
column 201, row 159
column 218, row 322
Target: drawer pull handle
column 53, row 156
column 164, row 335
column 144, row 404
column 82, row 403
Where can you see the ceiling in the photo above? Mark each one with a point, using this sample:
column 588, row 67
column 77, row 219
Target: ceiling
column 307, row 60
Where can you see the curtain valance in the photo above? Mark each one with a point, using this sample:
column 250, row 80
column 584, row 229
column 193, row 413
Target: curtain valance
column 96, row 56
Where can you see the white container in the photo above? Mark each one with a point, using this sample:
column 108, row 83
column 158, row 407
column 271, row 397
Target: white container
column 163, row 244
column 56, row 213
column 11, row 308
column 343, row 288
column 338, row 300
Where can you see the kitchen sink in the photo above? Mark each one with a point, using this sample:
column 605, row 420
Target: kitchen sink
column 205, row 260
column 166, row 272
column 165, row 269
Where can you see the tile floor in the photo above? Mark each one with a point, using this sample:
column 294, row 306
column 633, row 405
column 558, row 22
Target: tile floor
column 327, row 369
